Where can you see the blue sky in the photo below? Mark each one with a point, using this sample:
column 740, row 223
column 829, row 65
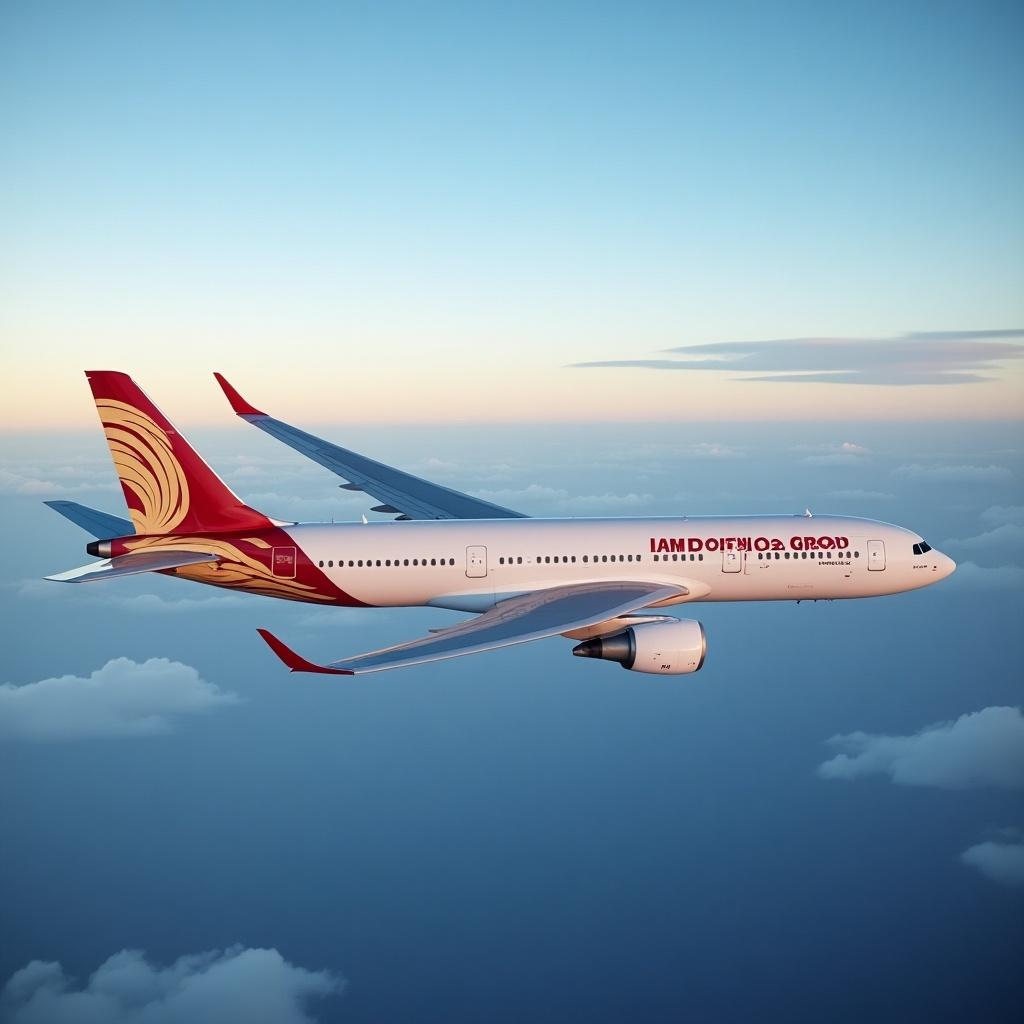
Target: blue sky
column 405, row 226
column 396, row 190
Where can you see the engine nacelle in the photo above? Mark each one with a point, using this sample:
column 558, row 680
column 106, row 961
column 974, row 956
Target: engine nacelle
column 662, row 648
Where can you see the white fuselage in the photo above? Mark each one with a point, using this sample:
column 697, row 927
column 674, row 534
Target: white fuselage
column 472, row 564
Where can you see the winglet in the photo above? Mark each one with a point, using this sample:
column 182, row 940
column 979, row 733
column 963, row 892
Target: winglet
column 295, row 662
column 238, row 403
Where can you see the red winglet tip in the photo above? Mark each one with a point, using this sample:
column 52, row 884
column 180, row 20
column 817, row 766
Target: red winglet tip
column 295, row 662
column 238, row 403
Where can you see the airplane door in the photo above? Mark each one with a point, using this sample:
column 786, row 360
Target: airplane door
column 732, row 561
column 476, row 561
column 876, row 554
column 283, row 563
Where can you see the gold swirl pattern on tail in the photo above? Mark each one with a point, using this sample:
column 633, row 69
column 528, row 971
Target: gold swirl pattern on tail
column 147, row 467
column 233, row 569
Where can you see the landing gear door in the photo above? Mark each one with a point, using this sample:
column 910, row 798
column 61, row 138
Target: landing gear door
column 876, row 554
column 476, row 561
column 732, row 560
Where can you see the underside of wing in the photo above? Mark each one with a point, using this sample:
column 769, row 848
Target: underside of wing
column 411, row 497
column 518, row 620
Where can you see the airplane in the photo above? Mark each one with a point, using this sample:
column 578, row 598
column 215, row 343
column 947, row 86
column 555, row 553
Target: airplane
column 603, row 582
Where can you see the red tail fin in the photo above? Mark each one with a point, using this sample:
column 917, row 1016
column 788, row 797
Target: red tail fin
column 168, row 487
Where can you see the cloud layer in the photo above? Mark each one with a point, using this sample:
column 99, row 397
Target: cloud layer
column 927, row 357
column 123, row 698
column 1000, row 862
column 257, row 986
column 984, row 748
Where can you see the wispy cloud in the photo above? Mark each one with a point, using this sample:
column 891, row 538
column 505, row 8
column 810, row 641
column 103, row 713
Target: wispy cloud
column 924, row 357
column 1000, row 538
column 559, row 500
column 848, row 453
column 950, row 474
column 123, row 698
column 999, row 514
column 142, row 604
column 970, row 575
column 998, row 861
column 236, row 984
column 984, row 748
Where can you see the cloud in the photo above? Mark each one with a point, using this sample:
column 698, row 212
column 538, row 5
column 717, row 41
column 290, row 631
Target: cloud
column 135, row 603
column 257, row 986
column 343, row 506
column 123, row 698
column 999, row 862
column 926, row 357
column 849, row 453
column 945, row 474
column 1001, row 577
column 559, row 500
column 984, row 748
column 27, row 483
column 1009, row 535
column 1000, row 514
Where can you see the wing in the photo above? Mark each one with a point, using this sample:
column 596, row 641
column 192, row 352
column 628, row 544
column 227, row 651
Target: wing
column 515, row 621
column 410, row 496
column 130, row 565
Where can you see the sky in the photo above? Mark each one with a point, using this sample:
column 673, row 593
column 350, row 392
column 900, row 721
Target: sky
column 391, row 213
column 576, row 260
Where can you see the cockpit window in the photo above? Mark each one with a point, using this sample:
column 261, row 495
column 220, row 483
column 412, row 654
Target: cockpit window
column 923, row 548
column 917, row 549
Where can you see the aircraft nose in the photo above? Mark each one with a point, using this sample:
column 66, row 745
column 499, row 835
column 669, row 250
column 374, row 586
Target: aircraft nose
column 946, row 566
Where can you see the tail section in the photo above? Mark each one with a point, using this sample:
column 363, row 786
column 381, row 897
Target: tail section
column 99, row 524
column 168, row 487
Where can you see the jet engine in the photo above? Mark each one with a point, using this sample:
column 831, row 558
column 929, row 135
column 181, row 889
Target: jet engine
column 671, row 648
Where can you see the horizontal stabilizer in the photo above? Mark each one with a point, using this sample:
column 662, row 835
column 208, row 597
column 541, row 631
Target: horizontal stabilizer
column 100, row 524
column 130, row 565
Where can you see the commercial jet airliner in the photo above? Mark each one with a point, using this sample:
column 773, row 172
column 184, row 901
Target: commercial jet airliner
column 601, row 582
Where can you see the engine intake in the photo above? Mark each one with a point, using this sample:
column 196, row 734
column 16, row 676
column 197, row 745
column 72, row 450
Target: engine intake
column 661, row 648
